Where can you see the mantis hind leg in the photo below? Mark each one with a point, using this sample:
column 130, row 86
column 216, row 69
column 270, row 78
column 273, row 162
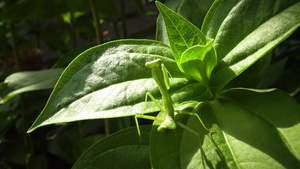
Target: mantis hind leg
column 195, row 114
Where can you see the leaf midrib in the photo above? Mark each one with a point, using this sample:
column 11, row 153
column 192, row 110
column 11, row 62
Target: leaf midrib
column 226, row 139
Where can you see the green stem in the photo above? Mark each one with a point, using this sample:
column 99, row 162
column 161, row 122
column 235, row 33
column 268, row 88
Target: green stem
column 123, row 19
column 107, row 123
column 26, row 138
column 80, row 129
column 98, row 30
column 38, row 39
column 14, row 46
column 115, row 25
column 72, row 29
column 97, row 24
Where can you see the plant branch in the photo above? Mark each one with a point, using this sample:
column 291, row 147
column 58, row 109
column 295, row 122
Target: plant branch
column 98, row 30
column 72, row 29
column 123, row 19
column 97, row 24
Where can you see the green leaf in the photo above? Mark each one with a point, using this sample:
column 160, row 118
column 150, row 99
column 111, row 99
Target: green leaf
column 82, row 145
column 165, row 147
column 192, row 10
column 111, row 80
column 181, row 33
column 253, row 76
column 31, row 81
column 274, row 73
column 199, row 61
column 254, row 129
column 62, row 145
column 240, row 43
column 119, row 150
column 8, row 115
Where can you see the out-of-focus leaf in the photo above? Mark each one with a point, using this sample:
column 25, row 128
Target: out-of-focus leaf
column 30, row 81
column 62, row 145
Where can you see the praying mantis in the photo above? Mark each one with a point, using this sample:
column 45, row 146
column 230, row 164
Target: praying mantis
column 161, row 76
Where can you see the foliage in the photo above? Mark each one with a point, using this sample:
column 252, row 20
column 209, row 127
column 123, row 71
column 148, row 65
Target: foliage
column 33, row 33
column 218, row 56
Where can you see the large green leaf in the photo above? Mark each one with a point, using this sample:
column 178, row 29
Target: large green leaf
column 253, row 76
column 192, row 10
column 253, row 129
column 180, row 38
column 111, row 80
column 118, row 151
column 181, row 33
column 240, row 42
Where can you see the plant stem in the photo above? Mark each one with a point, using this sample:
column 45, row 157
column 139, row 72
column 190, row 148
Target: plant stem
column 72, row 29
column 107, row 123
column 80, row 129
column 26, row 137
column 14, row 46
column 98, row 30
column 97, row 24
column 123, row 20
column 38, row 40
column 116, row 29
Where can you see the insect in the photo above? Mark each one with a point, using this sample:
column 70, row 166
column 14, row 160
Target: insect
column 161, row 76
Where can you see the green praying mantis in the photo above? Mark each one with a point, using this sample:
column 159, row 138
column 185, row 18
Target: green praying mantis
column 161, row 76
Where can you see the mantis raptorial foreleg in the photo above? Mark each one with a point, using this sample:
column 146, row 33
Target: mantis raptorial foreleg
column 153, row 99
column 161, row 77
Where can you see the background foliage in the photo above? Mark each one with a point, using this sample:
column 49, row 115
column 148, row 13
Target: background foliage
column 39, row 39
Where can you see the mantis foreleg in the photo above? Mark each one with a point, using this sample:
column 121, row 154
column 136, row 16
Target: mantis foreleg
column 155, row 101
